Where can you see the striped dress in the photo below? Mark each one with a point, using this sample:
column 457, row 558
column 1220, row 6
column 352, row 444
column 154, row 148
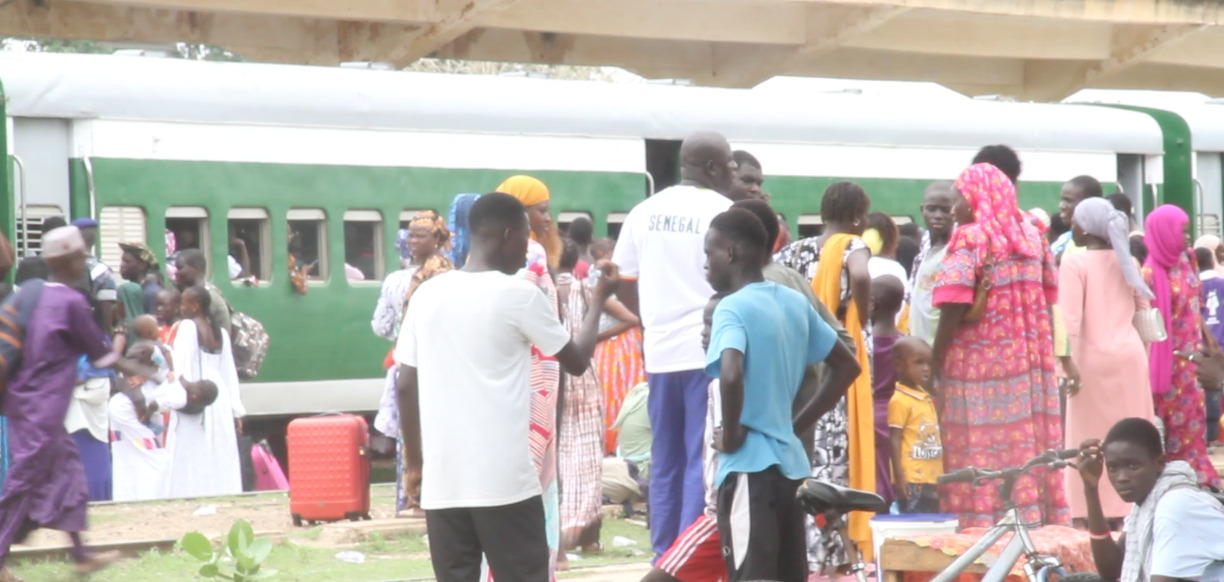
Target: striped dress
column 580, row 444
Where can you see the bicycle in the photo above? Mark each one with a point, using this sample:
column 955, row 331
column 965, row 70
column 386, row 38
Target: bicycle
column 834, row 502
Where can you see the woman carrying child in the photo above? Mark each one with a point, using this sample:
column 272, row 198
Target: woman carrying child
column 203, row 448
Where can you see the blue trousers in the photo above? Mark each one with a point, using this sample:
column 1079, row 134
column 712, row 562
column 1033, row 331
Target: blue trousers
column 677, row 408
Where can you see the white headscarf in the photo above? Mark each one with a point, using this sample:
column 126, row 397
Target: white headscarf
column 1099, row 218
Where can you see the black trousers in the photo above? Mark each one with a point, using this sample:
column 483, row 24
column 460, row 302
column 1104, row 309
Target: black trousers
column 511, row 537
column 762, row 527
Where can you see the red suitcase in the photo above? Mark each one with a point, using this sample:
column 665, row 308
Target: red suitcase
column 329, row 468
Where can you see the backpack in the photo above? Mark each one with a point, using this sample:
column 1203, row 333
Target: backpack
column 15, row 314
column 250, row 344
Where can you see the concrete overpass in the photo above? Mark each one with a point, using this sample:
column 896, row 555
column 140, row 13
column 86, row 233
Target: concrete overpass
column 1030, row 49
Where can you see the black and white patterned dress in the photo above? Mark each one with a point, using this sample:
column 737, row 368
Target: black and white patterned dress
column 831, row 458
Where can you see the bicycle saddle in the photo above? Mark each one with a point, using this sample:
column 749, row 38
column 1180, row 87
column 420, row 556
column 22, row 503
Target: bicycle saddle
column 821, row 496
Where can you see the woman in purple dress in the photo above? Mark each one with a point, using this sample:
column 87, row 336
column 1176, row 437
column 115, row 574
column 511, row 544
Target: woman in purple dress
column 46, row 481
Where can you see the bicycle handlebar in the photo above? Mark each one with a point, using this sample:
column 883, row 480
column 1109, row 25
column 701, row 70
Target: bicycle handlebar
column 971, row 474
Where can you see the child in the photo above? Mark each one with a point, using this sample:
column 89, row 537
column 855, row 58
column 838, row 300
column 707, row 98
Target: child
column 697, row 554
column 764, row 342
column 136, row 436
column 917, row 454
column 1213, row 320
column 887, row 294
column 168, row 300
column 148, row 332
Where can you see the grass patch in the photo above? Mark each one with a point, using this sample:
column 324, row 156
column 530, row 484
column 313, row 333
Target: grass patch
column 393, row 558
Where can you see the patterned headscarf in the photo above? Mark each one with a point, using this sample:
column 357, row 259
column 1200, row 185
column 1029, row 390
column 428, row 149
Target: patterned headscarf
column 436, row 224
column 436, row 263
column 461, row 235
column 1099, row 218
column 531, row 191
column 1166, row 243
column 992, row 196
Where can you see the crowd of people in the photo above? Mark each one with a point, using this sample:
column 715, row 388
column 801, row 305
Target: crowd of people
column 122, row 391
column 703, row 352
column 869, row 355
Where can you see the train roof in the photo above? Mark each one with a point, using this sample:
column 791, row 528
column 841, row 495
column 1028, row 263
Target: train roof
column 1204, row 115
column 123, row 87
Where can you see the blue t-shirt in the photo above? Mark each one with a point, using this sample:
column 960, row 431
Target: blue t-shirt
column 780, row 334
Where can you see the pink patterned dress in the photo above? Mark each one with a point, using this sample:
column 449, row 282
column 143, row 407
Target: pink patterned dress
column 1001, row 405
column 1183, row 408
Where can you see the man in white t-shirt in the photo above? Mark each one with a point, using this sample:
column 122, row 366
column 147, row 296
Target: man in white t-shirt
column 661, row 255
column 465, row 399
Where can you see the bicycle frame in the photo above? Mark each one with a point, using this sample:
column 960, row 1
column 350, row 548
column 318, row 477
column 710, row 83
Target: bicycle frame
column 1019, row 545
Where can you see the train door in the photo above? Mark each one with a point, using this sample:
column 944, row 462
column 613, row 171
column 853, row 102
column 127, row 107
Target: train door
column 662, row 164
column 40, row 150
column 1208, row 188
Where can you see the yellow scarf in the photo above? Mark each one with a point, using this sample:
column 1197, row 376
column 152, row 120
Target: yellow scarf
column 859, row 409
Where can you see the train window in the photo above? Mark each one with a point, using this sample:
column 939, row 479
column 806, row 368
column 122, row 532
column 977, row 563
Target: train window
column 565, row 218
column 308, row 240
column 810, row 225
column 249, row 245
column 363, row 248
column 615, row 221
column 119, row 224
column 189, row 224
column 30, row 228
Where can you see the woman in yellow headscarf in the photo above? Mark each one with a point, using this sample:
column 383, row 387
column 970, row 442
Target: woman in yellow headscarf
column 836, row 263
column 534, row 195
column 543, row 254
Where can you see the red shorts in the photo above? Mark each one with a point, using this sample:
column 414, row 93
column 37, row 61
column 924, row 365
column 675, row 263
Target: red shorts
column 696, row 556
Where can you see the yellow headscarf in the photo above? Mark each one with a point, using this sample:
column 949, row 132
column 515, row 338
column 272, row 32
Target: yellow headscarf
column 531, row 191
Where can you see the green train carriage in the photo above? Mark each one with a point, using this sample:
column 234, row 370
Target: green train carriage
column 343, row 157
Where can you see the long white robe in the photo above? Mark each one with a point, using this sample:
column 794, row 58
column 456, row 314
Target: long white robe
column 138, row 459
column 202, row 449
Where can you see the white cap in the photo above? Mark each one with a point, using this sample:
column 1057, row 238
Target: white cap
column 62, row 241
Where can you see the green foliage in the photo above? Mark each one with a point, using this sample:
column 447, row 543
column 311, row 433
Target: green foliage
column 241, row 559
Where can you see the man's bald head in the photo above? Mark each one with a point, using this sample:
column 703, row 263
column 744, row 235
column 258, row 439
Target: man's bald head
column 705, row 160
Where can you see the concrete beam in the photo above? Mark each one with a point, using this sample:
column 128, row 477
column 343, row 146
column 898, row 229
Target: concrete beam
column 1132, row 45
column 1112, row 11
column 827, row 29
column 779, row 23
column 459, row 17
column 930, row 32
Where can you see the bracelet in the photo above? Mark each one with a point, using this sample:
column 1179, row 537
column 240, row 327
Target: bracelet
column 1100, row 536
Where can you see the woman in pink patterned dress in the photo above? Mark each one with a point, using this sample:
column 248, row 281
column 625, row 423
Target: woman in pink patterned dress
column 1170, row 271
column 1000, row 396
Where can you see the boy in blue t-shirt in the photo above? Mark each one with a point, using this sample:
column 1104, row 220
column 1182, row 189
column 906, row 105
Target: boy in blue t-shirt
column 764, row 341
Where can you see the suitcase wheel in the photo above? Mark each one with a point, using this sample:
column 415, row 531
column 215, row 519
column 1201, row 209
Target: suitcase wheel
column 297, row 520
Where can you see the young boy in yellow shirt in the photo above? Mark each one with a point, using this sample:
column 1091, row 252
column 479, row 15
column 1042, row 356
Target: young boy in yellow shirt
column 913, row 425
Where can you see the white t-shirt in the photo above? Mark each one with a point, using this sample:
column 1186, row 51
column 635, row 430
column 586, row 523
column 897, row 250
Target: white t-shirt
column 1186, row 540
column 469, row 335
column 879, row 266
column 662, row 245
